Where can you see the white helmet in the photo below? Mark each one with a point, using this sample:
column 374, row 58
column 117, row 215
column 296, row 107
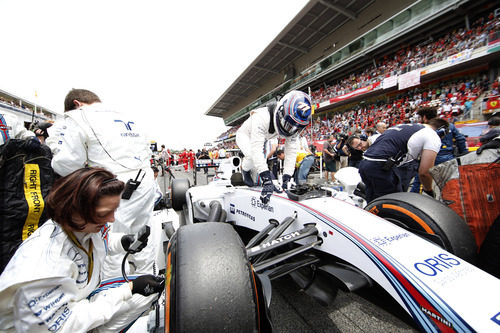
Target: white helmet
column 293, row 113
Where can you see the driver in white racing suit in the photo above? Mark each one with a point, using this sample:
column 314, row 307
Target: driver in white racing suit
column 94, row 135
column 287, row 119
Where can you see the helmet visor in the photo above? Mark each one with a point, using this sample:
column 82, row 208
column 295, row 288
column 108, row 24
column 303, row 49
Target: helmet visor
column 288, row 126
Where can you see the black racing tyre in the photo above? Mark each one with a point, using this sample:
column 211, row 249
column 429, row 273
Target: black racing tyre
column 210, row 285
column 489, row 259
column 178, row 191
column 428, row 218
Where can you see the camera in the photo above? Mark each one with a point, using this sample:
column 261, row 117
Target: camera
column 341, row 137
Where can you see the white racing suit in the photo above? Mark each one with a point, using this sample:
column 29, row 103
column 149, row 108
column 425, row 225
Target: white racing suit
column 98, row 137
column 251, row 137
column 46, row 287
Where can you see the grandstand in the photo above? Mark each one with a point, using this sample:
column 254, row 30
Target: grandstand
column 364, row 61
column 25, row 110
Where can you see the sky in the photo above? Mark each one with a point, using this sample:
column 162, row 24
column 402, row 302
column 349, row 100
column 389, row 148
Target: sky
column 164, row 61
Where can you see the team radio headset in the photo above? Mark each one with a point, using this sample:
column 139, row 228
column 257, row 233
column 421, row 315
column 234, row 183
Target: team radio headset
column 132, row 184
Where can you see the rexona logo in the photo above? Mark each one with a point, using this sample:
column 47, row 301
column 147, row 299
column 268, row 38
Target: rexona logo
column 256, row 203
column 437, row 264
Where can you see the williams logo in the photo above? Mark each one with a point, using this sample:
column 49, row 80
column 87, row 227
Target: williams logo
column 232, row 209
column 256, row 203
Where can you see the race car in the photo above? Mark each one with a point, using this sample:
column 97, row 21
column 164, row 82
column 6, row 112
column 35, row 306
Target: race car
column 220, row 261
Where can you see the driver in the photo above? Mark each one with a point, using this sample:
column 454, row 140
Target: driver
column 286, row 119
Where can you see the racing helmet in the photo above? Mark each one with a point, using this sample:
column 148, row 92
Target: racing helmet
column 293, row 113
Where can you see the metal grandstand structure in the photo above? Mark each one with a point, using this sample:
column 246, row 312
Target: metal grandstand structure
column 329, row 39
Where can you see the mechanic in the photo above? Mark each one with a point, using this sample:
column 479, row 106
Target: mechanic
column 329, row 158
column 448, row 142
column 493, row 130
column 91, row 134
column 12, row 128
column 285, row 119
column 50, row 283
column 23, row 160
column 384, row 165
column 306, row 163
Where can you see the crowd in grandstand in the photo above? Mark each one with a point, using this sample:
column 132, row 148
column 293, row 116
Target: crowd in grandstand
column 414, row 57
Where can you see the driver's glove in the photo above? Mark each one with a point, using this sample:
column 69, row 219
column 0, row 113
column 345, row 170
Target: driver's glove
column 127, row 240
column 267, row 186
column 148, row 284
column 286, row 179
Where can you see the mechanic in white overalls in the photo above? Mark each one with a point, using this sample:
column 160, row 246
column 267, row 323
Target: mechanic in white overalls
column 52, row 282
column 286, row 119
column 94, row 135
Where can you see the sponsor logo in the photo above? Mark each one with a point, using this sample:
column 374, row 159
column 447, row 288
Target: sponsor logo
column 437, row 264
column 436, row 317
column 56, row 326
column 496, row 318
column 280, row 240
column 127, row 124
column 386, row 240
column 34, row 301
column 256, row 203
column 236, row 211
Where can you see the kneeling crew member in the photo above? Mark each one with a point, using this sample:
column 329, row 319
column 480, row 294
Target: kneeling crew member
column 384, row 165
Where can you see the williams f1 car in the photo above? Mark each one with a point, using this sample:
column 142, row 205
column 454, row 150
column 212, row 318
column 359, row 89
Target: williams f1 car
column 220, row 261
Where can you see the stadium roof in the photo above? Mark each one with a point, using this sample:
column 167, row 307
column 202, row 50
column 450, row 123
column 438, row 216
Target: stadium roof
column 316, row 21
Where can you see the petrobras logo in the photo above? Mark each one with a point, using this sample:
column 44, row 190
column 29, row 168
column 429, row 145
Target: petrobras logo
column 236, row 211
column 256, row 203
column 437, row 264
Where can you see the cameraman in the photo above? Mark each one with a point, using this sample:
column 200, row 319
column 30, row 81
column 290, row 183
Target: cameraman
column 342, row 151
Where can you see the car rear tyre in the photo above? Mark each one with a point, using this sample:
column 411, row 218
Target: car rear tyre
column 210, row 284
column 178, row 190
column 428, row 218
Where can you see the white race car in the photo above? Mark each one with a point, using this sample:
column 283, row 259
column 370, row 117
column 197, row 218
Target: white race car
column 220, row 261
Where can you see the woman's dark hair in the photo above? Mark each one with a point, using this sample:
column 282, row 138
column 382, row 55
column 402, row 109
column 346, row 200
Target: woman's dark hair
column 81, row 95
column 79, row 193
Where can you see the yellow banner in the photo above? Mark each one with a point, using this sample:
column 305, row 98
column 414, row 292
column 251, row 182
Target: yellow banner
column 33, row 195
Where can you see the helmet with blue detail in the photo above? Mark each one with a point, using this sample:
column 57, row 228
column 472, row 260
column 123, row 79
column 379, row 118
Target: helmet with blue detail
column 293, row 113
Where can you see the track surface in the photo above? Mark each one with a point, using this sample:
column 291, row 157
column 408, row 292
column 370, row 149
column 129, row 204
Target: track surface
column 292, row 310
